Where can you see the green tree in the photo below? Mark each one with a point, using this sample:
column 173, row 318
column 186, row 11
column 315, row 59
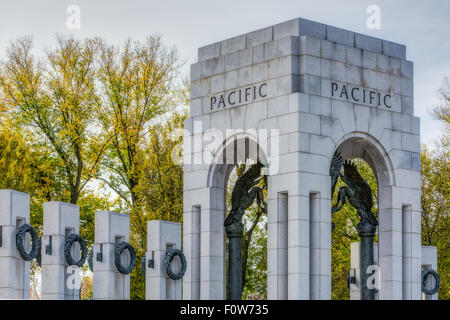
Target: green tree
column 138, row 85
column 27, row 166
column 87, row 110
column 55, row 98
column 255, row 272
column 159, row 190
column 435, row 199
column 435, row 168
column 442, row 110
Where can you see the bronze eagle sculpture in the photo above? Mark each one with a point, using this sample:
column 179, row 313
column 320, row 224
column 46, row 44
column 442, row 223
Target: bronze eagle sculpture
column 244, row 193
column 357, row 191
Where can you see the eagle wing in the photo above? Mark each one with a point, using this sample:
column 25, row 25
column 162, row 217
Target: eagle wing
column 335, row 168
column 363, row 191
column 244, row 183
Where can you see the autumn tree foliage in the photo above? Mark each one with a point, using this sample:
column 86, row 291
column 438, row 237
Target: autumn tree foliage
column 138, row 84
column 55, row 98
column 435, row 199
column 86, row 115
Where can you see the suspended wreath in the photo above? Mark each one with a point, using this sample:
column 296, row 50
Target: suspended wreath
column 425, row 274
column 68, row 246
column 167, row 261
column 20, row 235
column 118, row 252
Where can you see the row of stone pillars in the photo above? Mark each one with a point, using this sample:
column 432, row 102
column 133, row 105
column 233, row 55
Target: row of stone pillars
column 61, row 281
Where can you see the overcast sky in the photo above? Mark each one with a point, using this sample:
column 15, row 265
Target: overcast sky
column 423, row 26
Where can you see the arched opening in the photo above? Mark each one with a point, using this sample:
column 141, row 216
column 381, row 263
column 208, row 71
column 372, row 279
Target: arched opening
column 373, row 166
column 345, row 234
column 254, row 242
column 237, row 156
